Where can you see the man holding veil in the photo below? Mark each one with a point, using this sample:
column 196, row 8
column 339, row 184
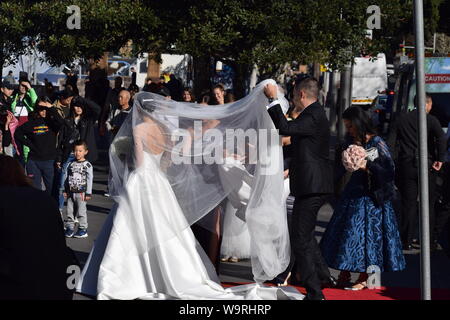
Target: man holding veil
column 310, row 177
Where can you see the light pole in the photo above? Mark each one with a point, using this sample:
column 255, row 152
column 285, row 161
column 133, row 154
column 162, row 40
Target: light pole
column 425, row 270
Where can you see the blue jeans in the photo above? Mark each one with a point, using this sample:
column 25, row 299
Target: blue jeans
column 62, row 179
column 41, row 170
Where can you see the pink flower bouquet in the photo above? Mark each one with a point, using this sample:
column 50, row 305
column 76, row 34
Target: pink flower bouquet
column 354, row 158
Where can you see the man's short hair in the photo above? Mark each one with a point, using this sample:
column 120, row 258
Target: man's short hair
column 310, row 86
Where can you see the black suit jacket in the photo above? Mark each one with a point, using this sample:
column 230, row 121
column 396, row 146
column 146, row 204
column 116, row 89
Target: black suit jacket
column 310, row 170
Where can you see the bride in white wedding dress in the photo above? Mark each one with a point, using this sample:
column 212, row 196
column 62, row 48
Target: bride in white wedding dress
column 146, row 249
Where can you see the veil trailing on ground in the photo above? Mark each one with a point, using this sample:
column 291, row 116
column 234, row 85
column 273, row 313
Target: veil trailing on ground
column 208, row 154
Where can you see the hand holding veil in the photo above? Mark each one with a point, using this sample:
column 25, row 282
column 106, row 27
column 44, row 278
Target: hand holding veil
column 193, row 157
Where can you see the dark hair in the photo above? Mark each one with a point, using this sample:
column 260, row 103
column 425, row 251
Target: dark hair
column 361, row 122
column 12, row 173
column 191, row 93
column 428, row 98
column 80, row 143
column 66, row 93
column 308, row 85
column 219, row 86
column 229, row 97
column 133, row 87
column 77, row 101
column 164, row 92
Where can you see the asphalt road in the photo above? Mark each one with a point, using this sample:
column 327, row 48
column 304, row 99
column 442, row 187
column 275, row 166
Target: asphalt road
column 100, row 205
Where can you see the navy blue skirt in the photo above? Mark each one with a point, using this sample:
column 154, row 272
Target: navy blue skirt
column 360, row 235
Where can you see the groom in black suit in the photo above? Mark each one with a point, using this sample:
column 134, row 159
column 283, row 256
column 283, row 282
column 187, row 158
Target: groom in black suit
column 310, row 175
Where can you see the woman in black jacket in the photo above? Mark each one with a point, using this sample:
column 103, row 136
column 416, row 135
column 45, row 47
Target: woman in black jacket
column 79, row 125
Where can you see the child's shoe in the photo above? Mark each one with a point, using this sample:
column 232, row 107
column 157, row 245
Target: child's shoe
column 81, row 233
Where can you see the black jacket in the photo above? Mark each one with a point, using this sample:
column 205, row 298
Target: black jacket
column 404, row 138
column 310, row 169
column 40, row 135
column 32, row 268
column 84, row 130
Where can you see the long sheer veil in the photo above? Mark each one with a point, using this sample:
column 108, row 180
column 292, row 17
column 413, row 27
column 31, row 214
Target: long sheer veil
column 211, row 153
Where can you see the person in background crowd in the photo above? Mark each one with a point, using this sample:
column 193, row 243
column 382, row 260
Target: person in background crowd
column 111, row 104
column 205, row 98
column 8, row 125
column 148, row 83
column 116, row 120
column 219, row 94
column 443, row 212
column 62, row 104
column 404, row 140
column 37, row 269
column 10, row 78
column 24, row 101
column 39, row 134
column 133, row 89
column 363, row 230
column 72, row 81
column 175, row 88
column 78, row 126
column 50, row 91
column 78, row 190
column 133, row 76
column 6, row 91
column 188, row 95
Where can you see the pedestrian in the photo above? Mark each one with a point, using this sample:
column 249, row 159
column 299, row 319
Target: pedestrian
column 117, row 118
column 62, row 103
column 133, row 89
column 78, row 190
column 24, row 101
column 111, row 104
column 33, row 269
column 188, row 95
column 10, row 78
column 309, row 175
column 133, row 75
column 219, row 94
column 363, row 230
column 404, row 140
column 78, row 126
column 39, row 135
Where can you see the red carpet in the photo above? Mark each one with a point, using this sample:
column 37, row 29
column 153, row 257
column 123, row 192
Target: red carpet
column 375, row 294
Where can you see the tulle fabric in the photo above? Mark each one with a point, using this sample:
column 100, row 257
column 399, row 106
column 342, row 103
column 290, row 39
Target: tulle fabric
column 193, row 135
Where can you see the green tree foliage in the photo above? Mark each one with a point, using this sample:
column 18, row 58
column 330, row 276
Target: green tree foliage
column 16, row 31
column 106, row 25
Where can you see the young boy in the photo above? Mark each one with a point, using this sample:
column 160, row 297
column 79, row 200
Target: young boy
column 78, row 190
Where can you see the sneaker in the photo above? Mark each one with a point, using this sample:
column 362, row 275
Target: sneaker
column 69, row 232
column 81, row 233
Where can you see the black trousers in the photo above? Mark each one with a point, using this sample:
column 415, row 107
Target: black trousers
column 408, row 184
column 308, row 257
column 443, row 209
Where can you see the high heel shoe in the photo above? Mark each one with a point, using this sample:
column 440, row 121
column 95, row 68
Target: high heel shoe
column 358, row 286
column 225, row 259
column 233, row 259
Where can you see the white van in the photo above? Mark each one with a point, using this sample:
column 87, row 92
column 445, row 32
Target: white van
column 369, row 77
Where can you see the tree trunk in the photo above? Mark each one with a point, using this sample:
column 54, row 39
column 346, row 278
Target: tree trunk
column 153, row 67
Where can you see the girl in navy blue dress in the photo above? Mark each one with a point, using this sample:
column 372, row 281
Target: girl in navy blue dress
column 363, row 229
